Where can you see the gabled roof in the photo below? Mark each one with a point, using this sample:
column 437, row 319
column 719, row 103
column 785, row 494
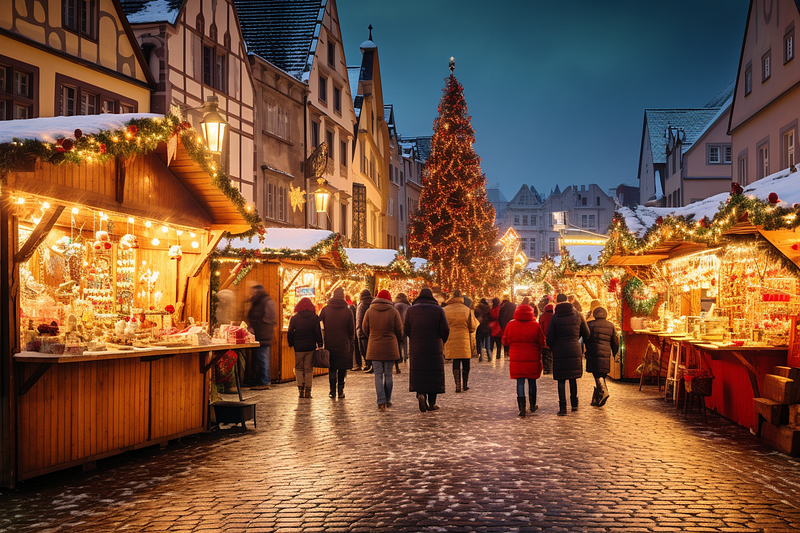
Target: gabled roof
column 691, row 121
column 284, row 32
column 495, row 195
column 526, row 197
column 149, row 11
column 724, row 95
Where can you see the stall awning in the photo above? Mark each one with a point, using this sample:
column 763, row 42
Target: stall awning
column 292, row 245
column 666, row 250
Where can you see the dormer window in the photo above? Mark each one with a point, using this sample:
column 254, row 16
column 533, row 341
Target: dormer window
column 80, row 16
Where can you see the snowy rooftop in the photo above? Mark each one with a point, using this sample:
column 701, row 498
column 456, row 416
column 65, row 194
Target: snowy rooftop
column 145, row 11
column 376, row 257
column 784, row 183
column 419, row 263
column 51, row 128
column 282, row 239
column 585, row 254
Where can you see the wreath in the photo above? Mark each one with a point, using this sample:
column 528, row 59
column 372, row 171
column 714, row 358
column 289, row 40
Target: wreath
column 633, row 294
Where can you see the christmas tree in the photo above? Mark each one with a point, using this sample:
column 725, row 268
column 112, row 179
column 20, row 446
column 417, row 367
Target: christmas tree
column 454, row 227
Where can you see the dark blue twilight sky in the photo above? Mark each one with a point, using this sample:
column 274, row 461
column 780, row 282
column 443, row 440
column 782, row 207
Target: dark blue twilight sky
column 556, row 89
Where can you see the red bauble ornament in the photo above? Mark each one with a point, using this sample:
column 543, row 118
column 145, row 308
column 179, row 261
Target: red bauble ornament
column 170, row 309
column 78, row 134
column 796, row 247
column 660, row 220
column 132, row 129
column 736, row 189
column 103, row 148
column 152, row 307
column 772, row 198
column 67, row 144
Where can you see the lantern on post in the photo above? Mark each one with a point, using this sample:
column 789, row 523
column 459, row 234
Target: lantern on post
column 321, row 196
column 213, row 126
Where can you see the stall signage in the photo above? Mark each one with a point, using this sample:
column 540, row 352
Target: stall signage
column 304, row 292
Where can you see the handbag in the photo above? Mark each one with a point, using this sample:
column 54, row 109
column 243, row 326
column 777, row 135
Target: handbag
column 321, row 358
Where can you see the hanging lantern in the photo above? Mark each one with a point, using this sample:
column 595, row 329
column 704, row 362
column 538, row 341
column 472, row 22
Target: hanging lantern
column 213, row 126
column 321, row 196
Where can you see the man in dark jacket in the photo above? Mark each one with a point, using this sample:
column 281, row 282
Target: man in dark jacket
column 364, row 301
column 601, row 345
column 427, row 329
column 262, row 317
column 483, row 335
column 339, row 332
column 563, row 337
column 506, row 315
column 402, row 304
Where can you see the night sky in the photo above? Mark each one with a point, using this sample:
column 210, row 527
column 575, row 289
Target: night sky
column 557, row 90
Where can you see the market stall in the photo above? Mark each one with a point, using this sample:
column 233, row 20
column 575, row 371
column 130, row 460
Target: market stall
column 107, row 222
column 290, row 263
column 377, row 269
column 714, row 286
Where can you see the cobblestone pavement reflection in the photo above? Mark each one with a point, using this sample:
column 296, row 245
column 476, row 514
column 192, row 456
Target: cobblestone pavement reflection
column 342, row 465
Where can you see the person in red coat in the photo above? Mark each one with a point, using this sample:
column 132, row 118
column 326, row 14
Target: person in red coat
column 525, row 339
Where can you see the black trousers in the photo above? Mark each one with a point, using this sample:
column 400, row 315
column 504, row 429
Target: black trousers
column 573, row 392
column 497, row 343
column 461, row 363
column 336, row 377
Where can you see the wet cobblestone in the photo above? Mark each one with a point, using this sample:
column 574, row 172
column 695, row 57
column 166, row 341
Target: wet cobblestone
column 341, row 465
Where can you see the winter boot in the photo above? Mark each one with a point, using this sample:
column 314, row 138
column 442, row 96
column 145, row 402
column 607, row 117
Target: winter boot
column 332, row 393
column 308, row 392
column 521, row 405
column 466, row 378
column 562, row 408
column 302, row 391
column 603, row 395
column 595, row 397
column 457, row 377
column 574, row 402
column 534, row 407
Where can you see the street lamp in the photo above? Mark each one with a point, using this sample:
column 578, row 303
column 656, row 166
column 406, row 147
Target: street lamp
column 213, row 126
column 321, row 196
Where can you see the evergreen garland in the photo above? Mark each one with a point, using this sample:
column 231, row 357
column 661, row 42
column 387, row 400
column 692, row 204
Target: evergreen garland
column 633, row 294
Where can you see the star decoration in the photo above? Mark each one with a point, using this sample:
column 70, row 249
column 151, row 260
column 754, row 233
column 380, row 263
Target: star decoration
column 297, row 197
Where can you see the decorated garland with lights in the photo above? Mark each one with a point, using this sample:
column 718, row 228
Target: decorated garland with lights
column 140, row 136
column 454, row 226
column 633, row 294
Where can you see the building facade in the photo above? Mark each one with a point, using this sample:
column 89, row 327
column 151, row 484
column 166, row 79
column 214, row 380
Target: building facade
column 58, row 60
column 766, row 104
column 195, row 50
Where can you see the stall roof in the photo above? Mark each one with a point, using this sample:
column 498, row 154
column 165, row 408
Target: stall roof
column 51, row 128
column 584, row 254
column 294, row 239
column 419, row 263
column 374, row 257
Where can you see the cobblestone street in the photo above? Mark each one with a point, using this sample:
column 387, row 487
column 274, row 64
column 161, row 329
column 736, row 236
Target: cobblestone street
column 341, row 465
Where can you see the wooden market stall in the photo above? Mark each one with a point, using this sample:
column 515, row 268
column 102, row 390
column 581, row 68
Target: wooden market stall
column 716, row 286
column 107, row 223
column 381, row 268
column 290, row 263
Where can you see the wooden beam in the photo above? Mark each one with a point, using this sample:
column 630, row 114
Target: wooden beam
column 294, row 278
column 216, row 236
column 227, row 283
column 40, row 233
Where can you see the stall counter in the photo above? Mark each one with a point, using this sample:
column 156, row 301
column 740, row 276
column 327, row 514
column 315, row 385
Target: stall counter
column 76, row 409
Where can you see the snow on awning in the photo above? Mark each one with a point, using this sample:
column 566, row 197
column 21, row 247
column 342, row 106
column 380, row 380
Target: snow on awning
column 374, row 257
column 419, row 263
column 585, row 254
column 295, row 239
column 51, row 128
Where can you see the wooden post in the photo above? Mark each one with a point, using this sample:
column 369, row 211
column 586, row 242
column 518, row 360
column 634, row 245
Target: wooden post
column 8, row 331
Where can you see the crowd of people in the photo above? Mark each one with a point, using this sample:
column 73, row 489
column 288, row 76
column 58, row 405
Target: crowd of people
column 380, row 332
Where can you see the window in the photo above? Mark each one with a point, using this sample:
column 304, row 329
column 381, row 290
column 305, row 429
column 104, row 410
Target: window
column 68, row 100
column 532, row 243
column 742, row 175
column 587, row 221
column 214, row 67
column 598, row 202
column 219, row 72
column 748, row 79
column 523, row 244
column 343, row 153
column 789, row 144
column 331, row 54
column 402, row 178
column 277, row 120
column 788, row 46
column 323, row 89
column 282, row 203
column 516, row 220
column 713, row 155
column 524, row 220
column 343, row 221
column 728, row 155
column 553, row 248
column 363, row 160
column 18, row 89
column 208, row 65
column 390, row 207
column 329, row 139
column 337, row 99
column 80, row 16
column 314, row 134
column 765, row 66
column 763, row 161
column 533, row 220
column 401, row 213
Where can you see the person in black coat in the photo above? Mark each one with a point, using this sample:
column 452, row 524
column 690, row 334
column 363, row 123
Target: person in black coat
column 507, row 309
column 304, row 336
column 427, row 329
column 563, row 337
column 483, row 335
column 262, row 317
column 337, row 319
column 364, row 301
column 601, row 344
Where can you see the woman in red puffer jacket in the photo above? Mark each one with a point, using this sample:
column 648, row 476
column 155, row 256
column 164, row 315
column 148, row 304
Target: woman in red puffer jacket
column 525, row 339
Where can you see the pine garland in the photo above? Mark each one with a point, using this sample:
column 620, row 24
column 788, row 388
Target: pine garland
column 633, row 294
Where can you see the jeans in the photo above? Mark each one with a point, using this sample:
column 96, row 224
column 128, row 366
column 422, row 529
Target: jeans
column 262, row 358
column 521, row 387
column 496, row 342
column 303, row 368
column 383, row 380
column 573, row 392
column 336, row 377
column 484, row 341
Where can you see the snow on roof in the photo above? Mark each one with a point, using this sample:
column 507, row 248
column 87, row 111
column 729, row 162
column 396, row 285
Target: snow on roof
column 51, row 128
column 784, row 183
column 533, row 265
column 152, row 11
column 419, row 263
column 585, row 254
column 282, row 239
column 376, row 257
column 368, row 45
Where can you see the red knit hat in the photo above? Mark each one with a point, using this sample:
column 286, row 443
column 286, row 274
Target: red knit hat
column 384, row 294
